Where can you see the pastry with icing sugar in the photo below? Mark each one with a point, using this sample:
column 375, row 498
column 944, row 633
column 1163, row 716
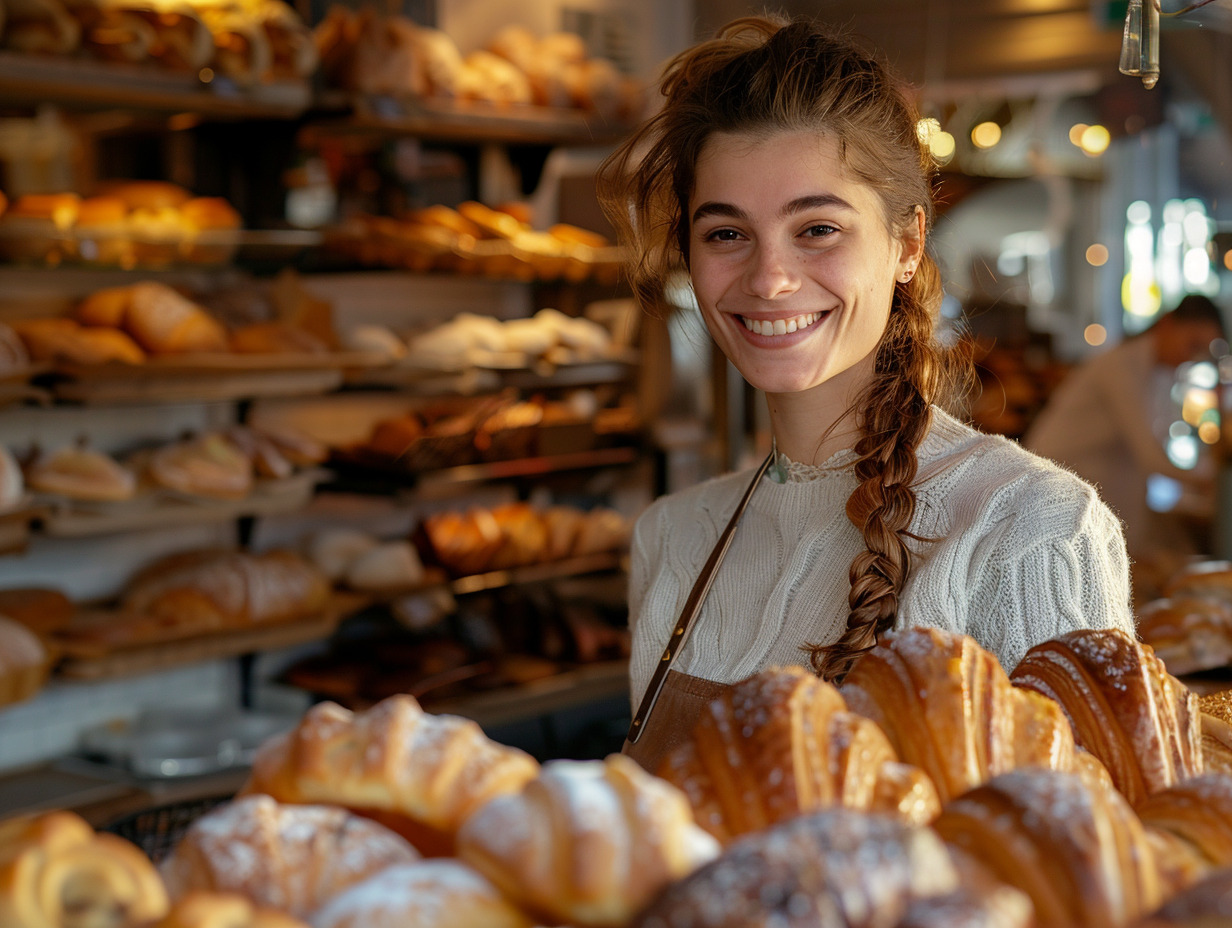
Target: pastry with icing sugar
column 421, row 774
column 292, row 858
column 783, row 742
column 1123, row 705
column 586, row 843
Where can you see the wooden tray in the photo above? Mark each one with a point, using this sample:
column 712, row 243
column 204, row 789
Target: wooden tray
column 89, row 661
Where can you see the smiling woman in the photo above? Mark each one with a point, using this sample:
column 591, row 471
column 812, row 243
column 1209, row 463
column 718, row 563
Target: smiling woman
column 786, row 173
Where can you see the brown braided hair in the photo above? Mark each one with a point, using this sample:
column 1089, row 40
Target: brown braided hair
column 762, row 76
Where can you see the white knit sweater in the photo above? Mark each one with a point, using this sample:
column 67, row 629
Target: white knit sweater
column 1025, row 551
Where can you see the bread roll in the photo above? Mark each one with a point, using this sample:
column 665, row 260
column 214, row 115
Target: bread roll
column 586, row 842
column 81, row 474
column 783, row 743
column 59, row 339
column 442, row 893
column 1081, row 855
column 1212, row 578
column 263, row 454
column 164, row 322
column 1215, row 714
column 387, row 567
column 423, row 775
column 1188, row 633
column 24, row 662
column 949, row 709
column 601, row 530
column 210, row 465
column 55, row 872
column 463, row 542
column 1123, row 706
column 228, row 589
column 293, row 858
column 836, row 867
column 223, row 910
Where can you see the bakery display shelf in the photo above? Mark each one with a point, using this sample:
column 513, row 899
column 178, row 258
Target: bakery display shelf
column 537, row 573
column 83, row 83
column 460, row 121
column 160, row 509
column 206, row 377
column 572, row 687
column 85, row 658
column 492, row 373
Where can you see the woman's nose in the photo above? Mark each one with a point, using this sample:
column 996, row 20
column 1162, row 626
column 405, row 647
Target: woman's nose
column 770, row 273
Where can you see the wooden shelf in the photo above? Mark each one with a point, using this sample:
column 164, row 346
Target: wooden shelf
column 583, row 684
column 341, row 112
column 89, row 84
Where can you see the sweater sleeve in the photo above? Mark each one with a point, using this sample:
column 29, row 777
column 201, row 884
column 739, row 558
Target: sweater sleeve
column 1052, row 567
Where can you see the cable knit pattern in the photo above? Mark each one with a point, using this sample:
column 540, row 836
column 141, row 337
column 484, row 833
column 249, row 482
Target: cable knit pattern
column 1025, row 551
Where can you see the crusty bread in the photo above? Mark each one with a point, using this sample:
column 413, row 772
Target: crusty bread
column 423, row 775
column 82, row 474
column 223, row 910
column 24, row 662
column 586, row 842
column 293, row 858
column 55, row 871
column 1190, row 827
column 210, row 465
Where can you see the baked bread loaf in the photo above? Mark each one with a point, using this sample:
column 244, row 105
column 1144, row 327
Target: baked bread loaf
column 949, row 709
column 1082, row 855
column 210, row 465
column 1211, row 578
column 293, row 858
column 1123, row 706
column 55, row 872
column 223, row 910
column 1190, row 827
column 443, row 893
column 211, row 589
column 62, row 339
column 586, row 842
column 24, row 662
column 82, row 474
column 834, row 867
column 422, row 775
column 40, row 610
column 1188, row 633
column 1215, row 715
column 160, row 319
column 782, row 743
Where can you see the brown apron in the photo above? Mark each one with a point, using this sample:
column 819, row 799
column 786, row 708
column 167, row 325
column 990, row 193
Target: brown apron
column 679, row 697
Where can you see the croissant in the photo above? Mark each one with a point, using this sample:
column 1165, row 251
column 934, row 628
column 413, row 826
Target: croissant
column 1082, row 855
column 55, row 872
column 1215, row 718
column 586, row 843
column 287, row 857
column 1206, row 904
column 781, row 743
column 996, row 906
column 949, row 709
column 1189, row 633
column 1123, row 706
column 1190, row 826
column 439, row 893
column 833, row 867
column 420, row 774
column 223, row 910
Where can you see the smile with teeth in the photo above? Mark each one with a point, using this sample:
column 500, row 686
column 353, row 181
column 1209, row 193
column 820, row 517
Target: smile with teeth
column 780, row 326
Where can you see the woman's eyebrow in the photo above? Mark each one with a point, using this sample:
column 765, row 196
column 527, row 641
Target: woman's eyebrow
column 798, row 205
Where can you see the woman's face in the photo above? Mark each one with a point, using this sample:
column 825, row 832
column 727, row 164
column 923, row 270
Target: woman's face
column 791, row 260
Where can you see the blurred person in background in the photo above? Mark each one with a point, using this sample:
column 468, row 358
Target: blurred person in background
column 1108, row 419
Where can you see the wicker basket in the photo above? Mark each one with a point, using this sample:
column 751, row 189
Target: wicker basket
column 158, row 830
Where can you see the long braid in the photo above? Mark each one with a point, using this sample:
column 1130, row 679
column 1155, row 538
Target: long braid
column 897, row 404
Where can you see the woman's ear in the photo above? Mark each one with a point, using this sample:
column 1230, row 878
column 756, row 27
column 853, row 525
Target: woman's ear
column 911, row 241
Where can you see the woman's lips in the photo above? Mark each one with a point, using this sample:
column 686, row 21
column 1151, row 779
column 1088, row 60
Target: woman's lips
column 772, row 327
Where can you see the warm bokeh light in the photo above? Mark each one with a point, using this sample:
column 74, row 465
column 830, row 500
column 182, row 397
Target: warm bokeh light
column 986, row 135
column 1097, row 255
column 1227, row 259
column 205, row 75
column 1095, row 335
column 1095, row 140
column 941, row 144
column 1208, row 432
column 1075, row 132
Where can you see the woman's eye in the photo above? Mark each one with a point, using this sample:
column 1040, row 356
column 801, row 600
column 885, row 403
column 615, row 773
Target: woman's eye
column 722, row 235
column 821, row 230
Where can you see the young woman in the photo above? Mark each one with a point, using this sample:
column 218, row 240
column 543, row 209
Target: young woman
column 786, row 173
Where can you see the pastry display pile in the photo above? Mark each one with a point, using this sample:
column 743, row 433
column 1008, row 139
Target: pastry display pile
column 930, row 789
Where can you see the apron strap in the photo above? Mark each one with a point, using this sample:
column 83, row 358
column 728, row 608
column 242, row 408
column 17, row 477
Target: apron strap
column 692, row 607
